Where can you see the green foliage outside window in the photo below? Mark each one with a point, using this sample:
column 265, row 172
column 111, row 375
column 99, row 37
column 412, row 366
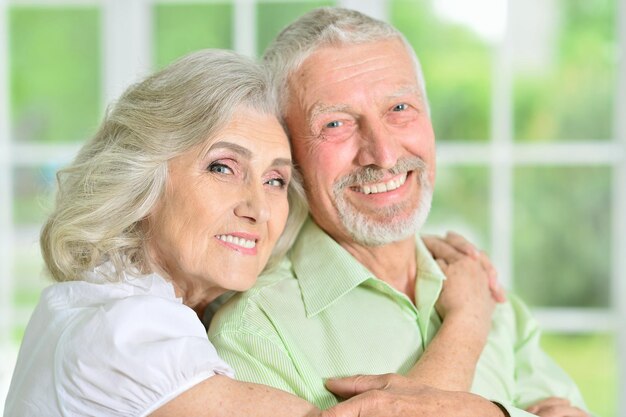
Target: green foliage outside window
column 461, row 203
column 563, row 236
column 572, row 97
column 54, row 56
column 457, row 67
column 274, row 16
column 590, row 360
column 180, row 29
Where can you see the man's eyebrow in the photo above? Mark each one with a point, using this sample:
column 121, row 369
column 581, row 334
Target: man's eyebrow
column 403, row 91
column 321, row 108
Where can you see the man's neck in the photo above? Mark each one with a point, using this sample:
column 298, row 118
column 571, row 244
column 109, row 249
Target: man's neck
column 394, row 263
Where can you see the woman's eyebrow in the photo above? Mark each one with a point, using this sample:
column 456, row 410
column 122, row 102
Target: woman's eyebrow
column 247, row 153
column 278, row 162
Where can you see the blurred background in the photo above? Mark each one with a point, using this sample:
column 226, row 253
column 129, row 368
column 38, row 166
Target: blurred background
column 528, row 102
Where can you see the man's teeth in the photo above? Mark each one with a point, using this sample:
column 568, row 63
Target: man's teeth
column 244, row 243
column 382, row 187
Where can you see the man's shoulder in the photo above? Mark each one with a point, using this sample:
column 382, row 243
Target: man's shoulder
column 250, row 310
column 514, row 319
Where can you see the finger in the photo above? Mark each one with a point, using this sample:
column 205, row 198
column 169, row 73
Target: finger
column 350, row 408
column 357, row 384
column 462, row 245
column 577, row 412
column 442, row 264
column 365, row 405
column 497, row 292
column 551, row 402
column 560, row 411
column 485, row 262
column 439, row 248
column 554, row 407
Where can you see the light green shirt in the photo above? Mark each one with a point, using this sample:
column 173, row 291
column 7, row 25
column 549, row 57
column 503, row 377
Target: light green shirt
column 323, row 314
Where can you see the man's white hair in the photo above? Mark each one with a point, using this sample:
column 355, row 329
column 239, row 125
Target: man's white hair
column 326, row 26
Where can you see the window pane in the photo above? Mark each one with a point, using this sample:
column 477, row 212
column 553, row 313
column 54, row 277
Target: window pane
column 55, row 73
column 565, row 69
column 33, row 190
column 598, row 383
column 461, row 204
column 273, row 17
column 563, row 235
column 29, row 278
column 180, row 29
column 456, row 62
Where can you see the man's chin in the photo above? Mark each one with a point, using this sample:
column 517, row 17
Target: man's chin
column 382, row 226
column 369, row 231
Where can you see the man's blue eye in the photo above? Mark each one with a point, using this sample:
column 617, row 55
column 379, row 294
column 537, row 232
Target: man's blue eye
column 400, row 107
column 334, row 123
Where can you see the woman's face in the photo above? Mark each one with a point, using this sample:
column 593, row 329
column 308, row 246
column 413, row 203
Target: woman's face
column 224, row 208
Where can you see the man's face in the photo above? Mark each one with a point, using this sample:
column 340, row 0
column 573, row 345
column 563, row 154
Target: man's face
column 361, row 135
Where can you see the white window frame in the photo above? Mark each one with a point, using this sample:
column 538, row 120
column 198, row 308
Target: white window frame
column 127, row 50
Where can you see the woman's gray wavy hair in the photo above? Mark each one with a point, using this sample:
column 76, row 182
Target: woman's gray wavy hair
column 326, row 26
column 120, row 174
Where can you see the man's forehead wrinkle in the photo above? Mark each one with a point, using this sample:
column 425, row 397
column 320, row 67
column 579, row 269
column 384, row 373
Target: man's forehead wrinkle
column 320, row 107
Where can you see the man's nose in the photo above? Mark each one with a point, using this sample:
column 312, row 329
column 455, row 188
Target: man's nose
column 253, row 206
column 378, row 147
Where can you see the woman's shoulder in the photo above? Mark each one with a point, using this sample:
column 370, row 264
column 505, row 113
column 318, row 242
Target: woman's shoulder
column 127, row 345
column 117, row 317
column 99, row 287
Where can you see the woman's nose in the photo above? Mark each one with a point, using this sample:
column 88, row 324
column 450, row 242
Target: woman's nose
column 254, row 206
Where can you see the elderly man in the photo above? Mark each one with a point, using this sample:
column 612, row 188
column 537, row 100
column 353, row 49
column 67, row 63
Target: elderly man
column 358, row 291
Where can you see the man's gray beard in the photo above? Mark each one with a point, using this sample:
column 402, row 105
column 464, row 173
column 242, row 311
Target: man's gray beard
column 368, row 231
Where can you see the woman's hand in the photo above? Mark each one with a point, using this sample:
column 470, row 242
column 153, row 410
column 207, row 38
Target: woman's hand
column 556, row 407
column 471, row 288
column 448, row 249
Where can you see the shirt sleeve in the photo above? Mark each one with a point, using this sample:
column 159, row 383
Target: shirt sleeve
column 537, row 375
column 131, row 356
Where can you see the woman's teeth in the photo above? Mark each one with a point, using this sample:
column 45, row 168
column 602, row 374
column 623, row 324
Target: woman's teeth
column 244, row 243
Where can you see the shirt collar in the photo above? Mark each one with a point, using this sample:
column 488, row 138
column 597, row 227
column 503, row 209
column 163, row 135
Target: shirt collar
column 429, row 284
column 326, row 271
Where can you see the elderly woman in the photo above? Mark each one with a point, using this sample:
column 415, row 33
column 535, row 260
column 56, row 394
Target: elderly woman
column 186, row 191
column 181, row 195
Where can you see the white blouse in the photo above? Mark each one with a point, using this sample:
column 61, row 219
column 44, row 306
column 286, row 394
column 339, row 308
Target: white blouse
column 96, row 348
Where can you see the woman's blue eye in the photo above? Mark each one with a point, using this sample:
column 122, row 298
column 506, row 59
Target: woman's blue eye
column 276, row 182
column 334, row 123
column 220, row 169
column 400, row 107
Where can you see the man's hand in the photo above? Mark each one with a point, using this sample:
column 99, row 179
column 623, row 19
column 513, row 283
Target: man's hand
column 395, row 395
column 556, row 407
